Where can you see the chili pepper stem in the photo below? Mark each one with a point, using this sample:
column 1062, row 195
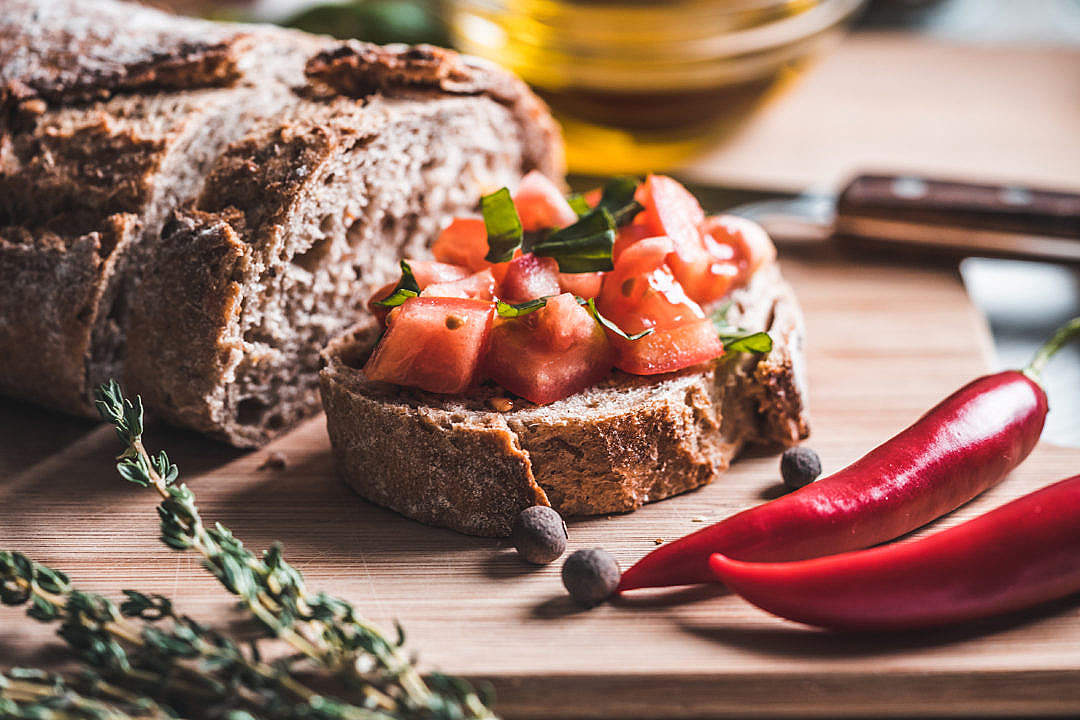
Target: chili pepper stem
column 1065, row 334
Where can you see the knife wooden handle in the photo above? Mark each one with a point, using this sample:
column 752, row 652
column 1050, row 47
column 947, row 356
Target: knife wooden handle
column 962, row 217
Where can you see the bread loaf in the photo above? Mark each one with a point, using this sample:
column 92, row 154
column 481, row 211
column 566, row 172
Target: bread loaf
column 196, row 207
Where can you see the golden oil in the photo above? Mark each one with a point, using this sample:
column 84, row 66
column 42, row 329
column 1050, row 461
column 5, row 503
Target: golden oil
column 642, row 85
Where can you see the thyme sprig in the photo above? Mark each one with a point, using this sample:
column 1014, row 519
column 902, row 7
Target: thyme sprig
column 145, row 654
column 29, row 694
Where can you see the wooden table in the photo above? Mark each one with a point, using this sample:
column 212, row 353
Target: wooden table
column 886, row 343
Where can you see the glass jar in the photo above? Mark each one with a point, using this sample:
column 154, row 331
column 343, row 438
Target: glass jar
column 641, row 85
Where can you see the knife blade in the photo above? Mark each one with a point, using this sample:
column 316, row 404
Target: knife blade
column 906, row 212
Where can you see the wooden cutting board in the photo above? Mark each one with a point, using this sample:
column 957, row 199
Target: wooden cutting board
column 886, row 343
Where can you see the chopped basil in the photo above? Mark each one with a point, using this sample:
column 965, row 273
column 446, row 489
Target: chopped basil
column 758, row 342
column 506, row 310
column 577, row 202
column 503, row 225
column 590, row 305
column 737, row 339
column 405, row 289
column 582, row 247
column 618, row 199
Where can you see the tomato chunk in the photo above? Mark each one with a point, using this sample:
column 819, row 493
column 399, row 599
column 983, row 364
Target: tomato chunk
column 540, row 205
column 743, row 241
column 529, row 277
column 464, row 243
column 642, row 293
column 630, row 234
column 585, row 285
column 426, row 273
column 671, row 210
column 705, row 269
column 479, row 286
column 433, row 343
column 670, row 349
column 548, row 354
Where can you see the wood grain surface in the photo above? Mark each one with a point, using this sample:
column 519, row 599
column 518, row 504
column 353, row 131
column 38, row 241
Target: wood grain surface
column 897, row 102
column 886, row 343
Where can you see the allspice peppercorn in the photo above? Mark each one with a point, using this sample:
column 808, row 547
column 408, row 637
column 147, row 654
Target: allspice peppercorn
column 539, row 534
column 590, row 576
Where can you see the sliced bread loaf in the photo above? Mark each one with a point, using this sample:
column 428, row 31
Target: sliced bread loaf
column 457, row 462
column 289, row 199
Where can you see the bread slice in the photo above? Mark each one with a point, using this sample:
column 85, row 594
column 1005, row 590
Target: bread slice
column 455, row 462
column 296, row 224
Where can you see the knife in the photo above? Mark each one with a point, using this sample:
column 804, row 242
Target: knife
column 907, row 212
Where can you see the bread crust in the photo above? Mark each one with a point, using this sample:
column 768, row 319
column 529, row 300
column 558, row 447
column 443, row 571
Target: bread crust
column 56, row 52
column 357, row 69
column 454, row 462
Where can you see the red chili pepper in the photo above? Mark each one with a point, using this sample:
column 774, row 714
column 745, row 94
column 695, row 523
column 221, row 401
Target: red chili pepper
column 966, row 444
column 1022, row 554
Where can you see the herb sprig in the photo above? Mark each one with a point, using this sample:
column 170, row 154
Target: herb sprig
column 148, row 660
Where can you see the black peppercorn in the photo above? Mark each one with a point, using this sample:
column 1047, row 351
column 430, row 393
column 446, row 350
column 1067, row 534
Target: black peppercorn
column 590, row 576
column 539, row 534
column 799, row 466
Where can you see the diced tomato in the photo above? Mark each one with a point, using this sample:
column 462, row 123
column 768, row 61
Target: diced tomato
column 630, row 234
column 671, row 210
column 479, row 286
column 669, row 349
column 382, row 293
column 463, row 242
column 433, row 343
column 426, row 273
column 593, row 197
column 585, row 285
column 529, row 277
column 743, row 241
column 641, row 293
column 549, row 354
column 540, row 205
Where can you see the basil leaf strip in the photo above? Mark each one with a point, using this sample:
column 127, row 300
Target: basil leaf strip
column 506, row 310
column 737, row 339
column 578, row 204
column 504, row 233
column 758, row 342
column 405, row 289
column 582, row 247
column 590, row 305
column 618, row 199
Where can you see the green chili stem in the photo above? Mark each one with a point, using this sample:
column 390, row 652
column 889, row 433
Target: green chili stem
column 1064, row 335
